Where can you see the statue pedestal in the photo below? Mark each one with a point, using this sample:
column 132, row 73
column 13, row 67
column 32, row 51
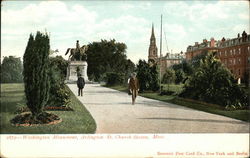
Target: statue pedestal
column 72, row 71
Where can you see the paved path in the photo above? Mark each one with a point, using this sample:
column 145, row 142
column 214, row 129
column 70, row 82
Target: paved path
column 114, row 113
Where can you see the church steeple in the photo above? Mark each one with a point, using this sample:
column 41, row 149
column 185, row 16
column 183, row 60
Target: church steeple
column 152, row 33
column 152, row 51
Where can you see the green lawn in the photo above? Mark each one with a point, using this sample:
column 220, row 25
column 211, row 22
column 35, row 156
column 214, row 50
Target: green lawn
column 211, row 108
column 243, row 115
column 78, row 121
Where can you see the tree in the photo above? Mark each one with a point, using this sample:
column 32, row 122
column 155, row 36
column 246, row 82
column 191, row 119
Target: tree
column 185, row 66
column 130, row 68
column 213, row 83
column 113, row 78
column 179, row 76
column 168, row 77
column 36, row 72
column 11, row 70
column 246, row 79
column 61, row 64
column 154, row 82
column 147, row 76
column 196, row 60
column 59, row 95
column 143, row 75
column 108, row 57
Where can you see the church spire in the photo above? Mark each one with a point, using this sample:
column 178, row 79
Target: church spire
column 152, row 33
column 152, row 51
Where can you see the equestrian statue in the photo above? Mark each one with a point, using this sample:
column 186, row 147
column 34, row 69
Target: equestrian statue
column 78, row 53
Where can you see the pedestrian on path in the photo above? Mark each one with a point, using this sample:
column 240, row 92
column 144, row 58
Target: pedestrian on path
column 133, row 87
column 80, row 84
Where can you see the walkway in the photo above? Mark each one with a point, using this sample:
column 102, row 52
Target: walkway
column 114, row 113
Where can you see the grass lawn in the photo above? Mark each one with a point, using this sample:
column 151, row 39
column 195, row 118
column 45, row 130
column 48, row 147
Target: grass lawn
column 243, row 115
column 78, row 121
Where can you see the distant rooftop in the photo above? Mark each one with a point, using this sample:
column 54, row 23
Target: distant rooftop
column 173, row 56
column 220, row 43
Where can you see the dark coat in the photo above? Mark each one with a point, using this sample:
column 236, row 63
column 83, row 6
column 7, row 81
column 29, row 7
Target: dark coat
column 80, row 82
column 133, row 83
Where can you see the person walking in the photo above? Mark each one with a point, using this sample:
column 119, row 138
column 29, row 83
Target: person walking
column 80, row 84
column 133, row 87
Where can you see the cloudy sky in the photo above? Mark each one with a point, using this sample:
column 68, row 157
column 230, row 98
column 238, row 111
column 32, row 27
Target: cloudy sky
column 184, row 22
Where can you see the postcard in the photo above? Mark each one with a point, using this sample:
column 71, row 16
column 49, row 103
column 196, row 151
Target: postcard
column 125, row 79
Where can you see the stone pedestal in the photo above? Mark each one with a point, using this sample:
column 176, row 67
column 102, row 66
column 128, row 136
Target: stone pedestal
column 72, row 70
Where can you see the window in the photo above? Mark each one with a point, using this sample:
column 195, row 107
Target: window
column 225, row 61
column 225, row 53
column 234, row 61
column 231, row 52
column 239, row 60
column 239, row 51
column 248, row 48
column 239, row 71
column 220, row 53
column 234, row 51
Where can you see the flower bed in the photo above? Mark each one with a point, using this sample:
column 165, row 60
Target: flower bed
column 27, row 119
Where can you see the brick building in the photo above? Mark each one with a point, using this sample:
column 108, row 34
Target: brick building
column 163, row 61
column 233, row 53
column 197, row 49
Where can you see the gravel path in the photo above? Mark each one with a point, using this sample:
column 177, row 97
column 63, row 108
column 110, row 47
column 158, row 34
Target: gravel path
column 114, row 113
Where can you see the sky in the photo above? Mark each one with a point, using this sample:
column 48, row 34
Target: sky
column 130, row 22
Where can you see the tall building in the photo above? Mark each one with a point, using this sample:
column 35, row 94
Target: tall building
column 152, row 50
column 233, row 53
column 163, row 61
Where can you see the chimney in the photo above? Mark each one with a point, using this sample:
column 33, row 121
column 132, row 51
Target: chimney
column 212, row 42
column 196, row 43
column 244, row 36
column 204, row 40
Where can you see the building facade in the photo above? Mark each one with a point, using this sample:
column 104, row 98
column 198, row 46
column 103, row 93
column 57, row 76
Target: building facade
column 198, row 49
column 163, row 62
column 233, row 53
column 169, row 60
